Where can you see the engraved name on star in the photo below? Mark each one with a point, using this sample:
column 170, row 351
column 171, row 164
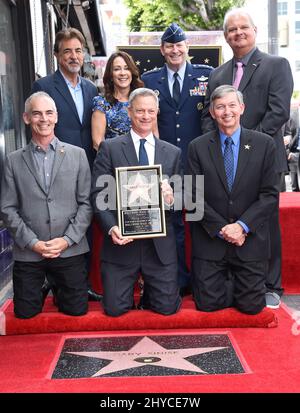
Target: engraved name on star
column 147, row 352
column 139, row 189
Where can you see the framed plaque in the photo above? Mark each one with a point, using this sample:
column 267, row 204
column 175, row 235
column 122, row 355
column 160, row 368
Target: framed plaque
column 139, row 201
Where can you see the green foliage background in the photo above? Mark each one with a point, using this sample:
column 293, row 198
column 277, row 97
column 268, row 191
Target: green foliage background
column 156, row 15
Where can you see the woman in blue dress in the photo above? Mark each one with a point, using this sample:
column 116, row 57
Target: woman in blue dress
column 110, row 117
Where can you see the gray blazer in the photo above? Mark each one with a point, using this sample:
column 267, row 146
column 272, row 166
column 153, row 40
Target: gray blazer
column 29, row 212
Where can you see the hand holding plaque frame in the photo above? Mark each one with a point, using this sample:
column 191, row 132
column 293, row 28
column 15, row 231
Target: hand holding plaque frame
column 139, row 201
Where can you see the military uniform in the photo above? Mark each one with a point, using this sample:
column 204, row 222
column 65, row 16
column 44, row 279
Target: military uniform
column 179, row 119
column 179, row 124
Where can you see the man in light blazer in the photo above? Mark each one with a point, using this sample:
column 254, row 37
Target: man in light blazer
column 267, row 86
column 240, row 193
column 73, row 97
column 123, row 259
column 45, row 205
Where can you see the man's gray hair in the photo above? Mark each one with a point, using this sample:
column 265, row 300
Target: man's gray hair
column 142, row 91
column 224, row 90
column 237, row 12
column 28, row 101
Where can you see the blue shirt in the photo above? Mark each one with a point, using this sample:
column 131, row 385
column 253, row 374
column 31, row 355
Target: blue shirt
column 76, row 93
column 235, row 149
column 181, row 73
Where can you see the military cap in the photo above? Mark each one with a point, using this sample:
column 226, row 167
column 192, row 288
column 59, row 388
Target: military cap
column 173, row 34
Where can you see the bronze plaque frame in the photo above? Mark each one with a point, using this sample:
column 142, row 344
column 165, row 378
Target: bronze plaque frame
column 140, row 204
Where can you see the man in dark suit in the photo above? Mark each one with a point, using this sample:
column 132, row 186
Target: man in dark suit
column 122, row 259
column 45, row 205
column 181, row 88
column 240, row 192
column 267, row 85
column 73, row 96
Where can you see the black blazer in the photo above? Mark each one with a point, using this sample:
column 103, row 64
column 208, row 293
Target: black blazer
column 267, row 87
column 118, row 152
column 252, row 199
column 69, row 128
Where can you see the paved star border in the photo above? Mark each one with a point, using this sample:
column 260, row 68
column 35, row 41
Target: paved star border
column 159, row 355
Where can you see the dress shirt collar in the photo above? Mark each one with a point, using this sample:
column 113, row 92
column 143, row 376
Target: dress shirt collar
column 235, row 137
column 149, row 145
column 180, row 72
column 136, row 138
column 78, row 84
column 38, row 148
column 245, row 59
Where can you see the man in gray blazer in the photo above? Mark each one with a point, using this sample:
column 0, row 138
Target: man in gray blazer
column 45, row 205
column 73, row 97
column 267, row 84
column 123, row 259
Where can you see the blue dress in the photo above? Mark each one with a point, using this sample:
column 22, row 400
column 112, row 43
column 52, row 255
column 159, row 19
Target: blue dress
column 117, row 119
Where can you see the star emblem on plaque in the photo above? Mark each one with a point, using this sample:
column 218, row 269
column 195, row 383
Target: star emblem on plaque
column 140, row 203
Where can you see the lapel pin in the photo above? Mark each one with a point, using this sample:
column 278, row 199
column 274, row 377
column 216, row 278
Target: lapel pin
column 247, row 147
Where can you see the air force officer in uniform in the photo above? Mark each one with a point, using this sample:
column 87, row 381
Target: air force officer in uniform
column 181, row 88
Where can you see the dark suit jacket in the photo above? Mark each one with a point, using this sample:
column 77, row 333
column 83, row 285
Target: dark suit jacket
column 179, row 125
column 69, row 128
column 252, row 199
column 267, row 87
column 118, row 152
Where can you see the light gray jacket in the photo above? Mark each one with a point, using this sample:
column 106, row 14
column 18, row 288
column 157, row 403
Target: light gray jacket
column 29, row 212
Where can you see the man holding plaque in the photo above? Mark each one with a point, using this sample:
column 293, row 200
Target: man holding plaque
column 123, row 258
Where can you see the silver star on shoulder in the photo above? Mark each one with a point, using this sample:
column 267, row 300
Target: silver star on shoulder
column 247, row 147
column 147, row 352
column 206, row 61
column 137, row 62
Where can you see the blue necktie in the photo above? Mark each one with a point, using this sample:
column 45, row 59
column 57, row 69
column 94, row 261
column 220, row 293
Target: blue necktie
column 228, row 161
column 143, row 157
column 176, row 88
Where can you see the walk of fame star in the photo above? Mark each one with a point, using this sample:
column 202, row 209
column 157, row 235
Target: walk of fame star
column 147, row 351
column 151, row 355
column 139, row 189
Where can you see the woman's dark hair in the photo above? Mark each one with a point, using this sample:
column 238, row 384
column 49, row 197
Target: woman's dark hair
column 108, row 76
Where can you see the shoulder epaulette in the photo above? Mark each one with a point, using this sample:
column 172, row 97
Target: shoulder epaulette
column 198, row 66
column 156, row 69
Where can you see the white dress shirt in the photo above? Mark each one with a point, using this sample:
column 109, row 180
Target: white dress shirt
column 149, row 145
